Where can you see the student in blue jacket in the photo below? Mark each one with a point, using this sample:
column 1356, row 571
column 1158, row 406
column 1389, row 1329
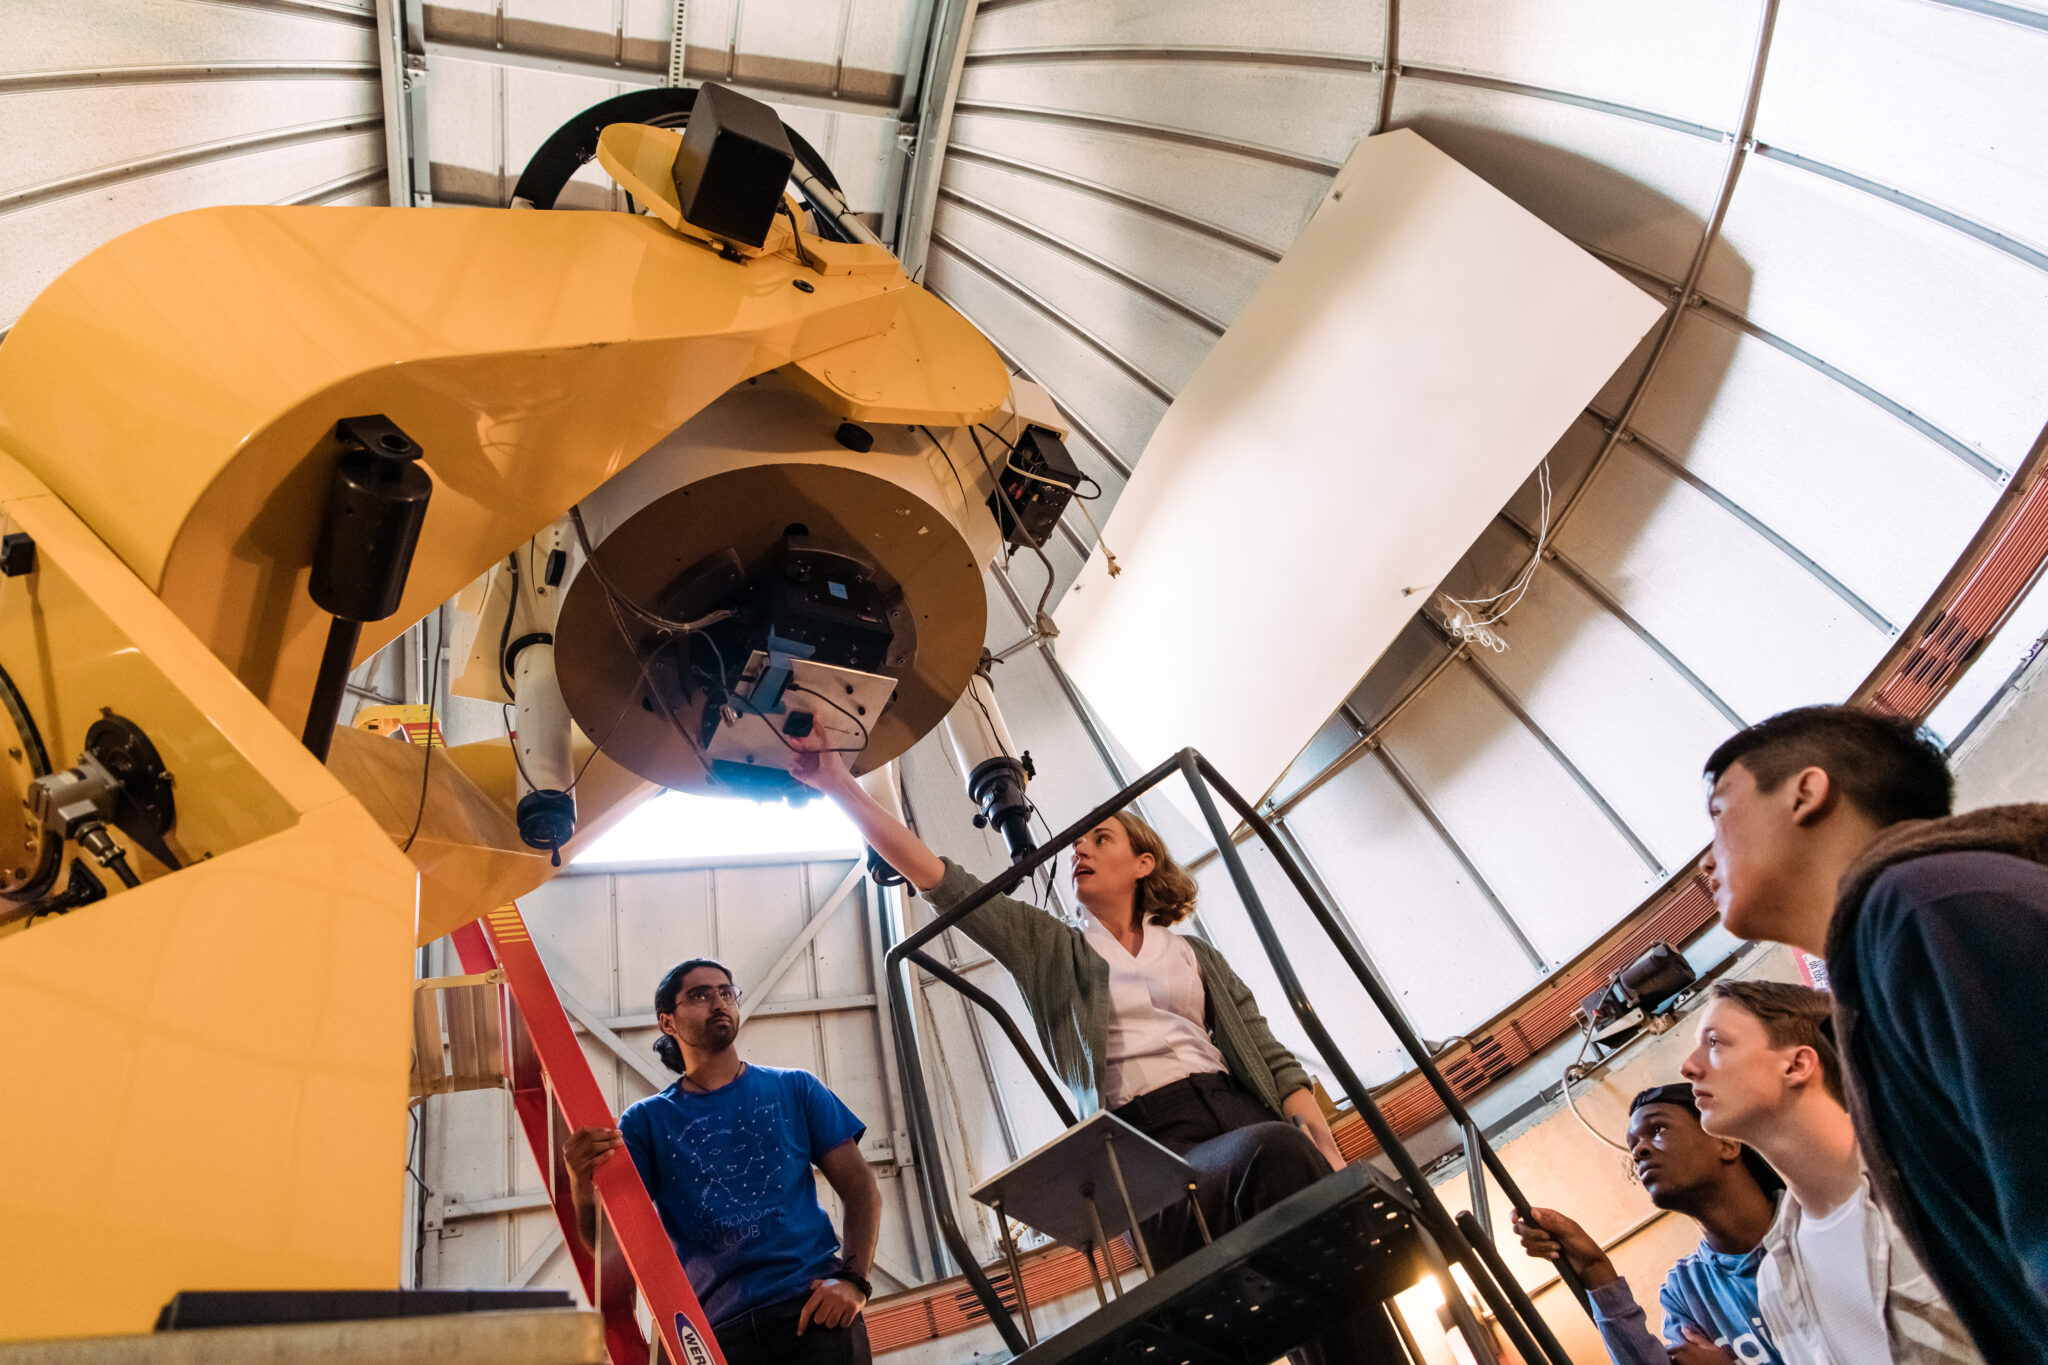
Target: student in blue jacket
column 1709, row 1298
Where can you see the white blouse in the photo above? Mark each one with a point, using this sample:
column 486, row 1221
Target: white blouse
column 1157, row 1005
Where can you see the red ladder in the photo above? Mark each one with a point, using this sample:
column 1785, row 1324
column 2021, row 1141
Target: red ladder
column 554, row 1094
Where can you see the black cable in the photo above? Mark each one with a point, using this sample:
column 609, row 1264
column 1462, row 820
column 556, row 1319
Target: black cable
column 982, row 706
column 1017, row 516
column 965, row 501
column 796, row 230
column 505, row 632
column 614, row 599
column 597, row 745
column 427, row 767
column 118, row 865
column 618, row 595
column 864, row 733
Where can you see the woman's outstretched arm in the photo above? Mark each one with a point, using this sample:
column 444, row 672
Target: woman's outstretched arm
column 817, row 767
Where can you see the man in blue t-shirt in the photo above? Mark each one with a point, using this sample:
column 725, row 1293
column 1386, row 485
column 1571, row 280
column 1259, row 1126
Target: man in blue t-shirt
column 1709, row 1298
column 726, row 1154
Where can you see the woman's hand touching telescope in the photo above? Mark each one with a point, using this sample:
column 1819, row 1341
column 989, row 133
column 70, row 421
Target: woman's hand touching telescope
column 815, row 764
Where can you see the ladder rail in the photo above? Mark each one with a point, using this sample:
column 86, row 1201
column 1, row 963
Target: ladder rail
column 554, row 1093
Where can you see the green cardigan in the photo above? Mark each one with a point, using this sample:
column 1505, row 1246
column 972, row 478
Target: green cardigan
column 1065, row 983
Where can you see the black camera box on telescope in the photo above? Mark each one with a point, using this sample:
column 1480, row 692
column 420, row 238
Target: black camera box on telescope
column 733, row 166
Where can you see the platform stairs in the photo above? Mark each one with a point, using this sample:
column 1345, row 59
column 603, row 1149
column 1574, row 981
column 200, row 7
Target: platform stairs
column 1329, row 1253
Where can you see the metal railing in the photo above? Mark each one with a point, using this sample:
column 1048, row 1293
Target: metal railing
column 1462, row 1239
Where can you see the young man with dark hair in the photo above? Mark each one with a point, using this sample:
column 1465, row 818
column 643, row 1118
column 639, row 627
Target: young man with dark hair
column 1832, row 833
column 1838, row 1285
column 726, row 1154
column 1709, row 1298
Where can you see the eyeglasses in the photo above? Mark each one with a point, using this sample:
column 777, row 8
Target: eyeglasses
column 703, row 995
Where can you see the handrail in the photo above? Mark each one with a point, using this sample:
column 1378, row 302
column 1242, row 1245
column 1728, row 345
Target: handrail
column 1511, row 1306
column 554, row 1094
column 1049, row 1087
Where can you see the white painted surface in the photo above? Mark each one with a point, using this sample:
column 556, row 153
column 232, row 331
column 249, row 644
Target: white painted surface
column 1392, row 382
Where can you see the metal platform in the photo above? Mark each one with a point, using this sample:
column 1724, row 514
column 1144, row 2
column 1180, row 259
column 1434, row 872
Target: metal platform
column 1342, row 1247
column 1346, row 1243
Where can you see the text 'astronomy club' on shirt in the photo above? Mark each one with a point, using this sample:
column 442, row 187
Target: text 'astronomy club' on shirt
column 730, row 1174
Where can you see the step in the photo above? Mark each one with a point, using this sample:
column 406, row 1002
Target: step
column 1257, row 1292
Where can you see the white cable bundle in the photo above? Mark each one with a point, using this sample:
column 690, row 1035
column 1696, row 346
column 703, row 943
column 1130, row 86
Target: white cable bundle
column 1472, row 621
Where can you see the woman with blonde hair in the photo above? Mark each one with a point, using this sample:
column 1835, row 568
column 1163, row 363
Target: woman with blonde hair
column 1135, row 1018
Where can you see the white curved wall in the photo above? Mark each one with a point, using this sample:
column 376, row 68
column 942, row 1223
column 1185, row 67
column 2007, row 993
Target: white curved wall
column 117, row 112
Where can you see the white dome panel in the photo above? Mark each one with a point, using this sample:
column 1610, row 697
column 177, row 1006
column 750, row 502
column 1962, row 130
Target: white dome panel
column 1869, row 499
column 1117, row 406
column 1759, row 629
column 1561, row 873
column 1687, row 59
column 1624, row 717
column 1258, row 201
column 1340, row 27
column 1442, row 947
column 1311, row 114
column 56, row 134
column 1158, row 343
column 1952, row 329
column 62, row 35
column 1943, row 104
column 1211, row 279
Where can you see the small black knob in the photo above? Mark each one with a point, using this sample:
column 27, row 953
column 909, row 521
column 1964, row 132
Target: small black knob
column 17, row 554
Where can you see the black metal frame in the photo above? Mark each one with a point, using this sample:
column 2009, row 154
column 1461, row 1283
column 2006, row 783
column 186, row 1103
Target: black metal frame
column 1462, row 1239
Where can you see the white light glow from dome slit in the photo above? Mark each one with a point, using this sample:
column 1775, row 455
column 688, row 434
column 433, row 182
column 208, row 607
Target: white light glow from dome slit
column 678, row 825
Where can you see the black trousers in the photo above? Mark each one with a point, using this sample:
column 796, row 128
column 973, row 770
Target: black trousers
column 1245, row 1162
column 767, row 1336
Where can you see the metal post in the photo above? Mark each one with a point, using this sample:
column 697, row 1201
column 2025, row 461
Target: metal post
column 1408, row 1342
column 1530, row 1333
column 1466, row 1320
column 1488, row 1252
column 1016, row 1273
column 1095, row 1276
column 1201, row 1219
column 880, row 937
column 1475, row 1176
column 1425, row 1064
column 1116, row 1170
column 1435, row 1218
column 1116, row 1281
column 930, row 1161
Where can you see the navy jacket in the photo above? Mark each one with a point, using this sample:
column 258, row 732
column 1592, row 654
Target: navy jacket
column 1938, row 955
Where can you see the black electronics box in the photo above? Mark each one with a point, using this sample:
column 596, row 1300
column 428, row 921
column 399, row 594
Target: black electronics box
column 1038, row 480
column 734, row 165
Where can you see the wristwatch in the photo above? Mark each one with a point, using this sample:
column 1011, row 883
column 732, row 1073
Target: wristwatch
column 867, row 1291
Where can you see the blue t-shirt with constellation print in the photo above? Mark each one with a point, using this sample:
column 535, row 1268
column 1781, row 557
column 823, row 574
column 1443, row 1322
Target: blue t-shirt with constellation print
column 730, row 1174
